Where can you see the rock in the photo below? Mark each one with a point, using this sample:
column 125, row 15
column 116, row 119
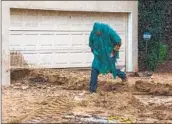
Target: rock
column 17, row 84
column 44, row 87
column 37, row 80
column 55, row 78
column 16, row 87
column 68, row 117
column 95, row 120
column 24, row 87
column 142, row 74
column 148, row 73
column 77, row 98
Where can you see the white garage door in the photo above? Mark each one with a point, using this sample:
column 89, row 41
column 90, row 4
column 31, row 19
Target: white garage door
column 58, row 39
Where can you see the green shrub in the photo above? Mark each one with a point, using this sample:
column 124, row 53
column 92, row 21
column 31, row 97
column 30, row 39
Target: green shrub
column 152, row 60
column 162, row 52
column 151, row 19
column 156, row 56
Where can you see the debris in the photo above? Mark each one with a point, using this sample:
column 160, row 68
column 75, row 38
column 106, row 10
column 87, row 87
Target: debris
column 18, row 74
column 37, row 80
column 49, row 95
column 24, row 87
column 142, row 74
column 153, row 88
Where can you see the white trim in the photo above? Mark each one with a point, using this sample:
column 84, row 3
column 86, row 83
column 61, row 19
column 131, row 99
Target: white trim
column 91, row 6
column 1, row 46
column 129, row 49
column 68, row 10
column 5, row 45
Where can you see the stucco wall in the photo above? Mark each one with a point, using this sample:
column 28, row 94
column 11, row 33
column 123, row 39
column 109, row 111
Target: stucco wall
column 96, row 6
column 0, row 63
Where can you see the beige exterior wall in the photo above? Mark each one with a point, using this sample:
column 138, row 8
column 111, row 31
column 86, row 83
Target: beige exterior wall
column 0, row 63
column 90, row 6
column 0, row 46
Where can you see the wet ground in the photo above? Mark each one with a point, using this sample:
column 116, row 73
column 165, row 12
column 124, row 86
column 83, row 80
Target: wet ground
column 53, row 95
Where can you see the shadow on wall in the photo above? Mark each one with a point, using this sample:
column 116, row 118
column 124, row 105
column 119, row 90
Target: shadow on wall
column 17, row 60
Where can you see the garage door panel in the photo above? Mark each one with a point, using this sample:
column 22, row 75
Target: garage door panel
column 105, row 19
column 119, row 27
column 31, row 58
column 88, row 58
column 87, row 27
column 46, row 19
column 30, row 41
column 45, row 41
column 87, row 18
column 59, row 16
column 17, row 21
column 22, row 42
column 79, row 58
column 77, row 39
column 86, row 40
column 75, row 20
column 123, row 46
column 15, row 41
column 60, row 39
column 30, row 18
column 60, row 59
column 115, row 21
column 45, row 59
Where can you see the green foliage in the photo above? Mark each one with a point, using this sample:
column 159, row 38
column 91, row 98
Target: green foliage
column 151, row 19
column 152, row 58
column 156, row 56
column 162, row 52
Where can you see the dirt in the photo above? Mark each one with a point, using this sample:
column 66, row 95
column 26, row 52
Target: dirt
column 153, row 88
column 165, row 67
column 49, row 95
column 17, row 74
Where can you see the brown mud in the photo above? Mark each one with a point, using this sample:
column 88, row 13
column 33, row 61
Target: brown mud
column 48, row 95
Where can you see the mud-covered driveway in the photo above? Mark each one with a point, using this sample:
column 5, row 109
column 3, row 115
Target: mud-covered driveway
column 53, row 95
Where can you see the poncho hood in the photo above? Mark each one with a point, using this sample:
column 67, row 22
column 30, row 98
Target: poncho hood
column 97, row 28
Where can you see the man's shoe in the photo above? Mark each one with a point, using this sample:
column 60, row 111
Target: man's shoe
column 124, row 79
column 92, row 92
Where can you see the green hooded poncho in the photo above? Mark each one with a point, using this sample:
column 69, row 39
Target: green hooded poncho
column 102, row 41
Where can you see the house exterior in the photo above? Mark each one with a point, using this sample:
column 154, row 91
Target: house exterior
column 54, row 34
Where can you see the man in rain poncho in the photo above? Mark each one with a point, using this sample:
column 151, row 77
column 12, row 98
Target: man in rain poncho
column 104, row 43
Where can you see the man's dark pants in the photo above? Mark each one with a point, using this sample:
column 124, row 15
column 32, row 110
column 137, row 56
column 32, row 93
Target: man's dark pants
column 94, row 78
